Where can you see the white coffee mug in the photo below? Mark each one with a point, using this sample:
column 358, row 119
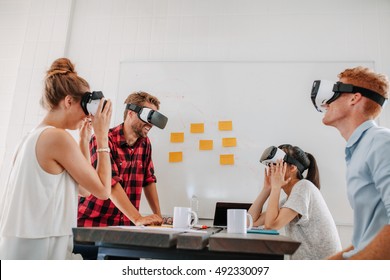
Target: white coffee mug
column 237, row 221
column 182, row 217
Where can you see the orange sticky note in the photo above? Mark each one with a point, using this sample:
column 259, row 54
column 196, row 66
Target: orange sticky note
column 177, row 137
column 227, row 159
column 175, row 156
column 197, row 128
column 225, row 125
column 205, row 144
column 229, row 142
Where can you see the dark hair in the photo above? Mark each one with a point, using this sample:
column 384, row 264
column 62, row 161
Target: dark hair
column 62, row 80
column 307, row 160
column 139, row 98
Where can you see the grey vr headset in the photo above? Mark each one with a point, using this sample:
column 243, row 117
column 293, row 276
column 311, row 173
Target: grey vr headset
column 90, row 102
column 272, row 154
column 325, row 92
column 148, row 115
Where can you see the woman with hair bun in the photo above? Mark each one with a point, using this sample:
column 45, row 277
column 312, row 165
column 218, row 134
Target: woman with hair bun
column 304, row 212
column 50, row 169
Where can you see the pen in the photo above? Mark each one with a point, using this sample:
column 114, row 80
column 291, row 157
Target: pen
column 201, row 226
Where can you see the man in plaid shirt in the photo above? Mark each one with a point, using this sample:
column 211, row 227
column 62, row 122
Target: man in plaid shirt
column 132, row 172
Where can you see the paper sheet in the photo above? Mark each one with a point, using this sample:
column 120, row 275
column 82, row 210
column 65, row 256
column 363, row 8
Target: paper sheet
column 205, row 145
column 162, row 228
column 177, row 137
column 175, row 156
column 229, row 142
column 225, row 125
column 197, row 128
column 227, row 159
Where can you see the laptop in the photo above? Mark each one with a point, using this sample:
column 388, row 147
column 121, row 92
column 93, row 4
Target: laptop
column 220, row 214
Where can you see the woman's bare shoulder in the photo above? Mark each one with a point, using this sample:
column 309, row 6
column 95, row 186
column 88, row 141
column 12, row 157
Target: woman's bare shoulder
column 56, row 136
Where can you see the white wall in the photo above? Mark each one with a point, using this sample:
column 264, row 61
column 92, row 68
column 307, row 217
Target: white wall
column 37, row 32
column 13, row 21
column 103, row 33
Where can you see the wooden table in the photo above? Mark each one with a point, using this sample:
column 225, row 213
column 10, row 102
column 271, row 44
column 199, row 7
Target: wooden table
column 212, row 243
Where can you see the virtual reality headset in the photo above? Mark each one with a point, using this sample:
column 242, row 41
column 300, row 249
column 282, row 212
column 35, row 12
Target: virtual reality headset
column 90, row 102
column 148, row 115
column 272, row 154
column 325, row 92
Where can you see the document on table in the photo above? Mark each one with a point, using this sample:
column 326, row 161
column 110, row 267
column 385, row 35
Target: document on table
column 162, row 228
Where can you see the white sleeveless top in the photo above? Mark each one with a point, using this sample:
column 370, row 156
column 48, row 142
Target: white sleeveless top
column 37, row 205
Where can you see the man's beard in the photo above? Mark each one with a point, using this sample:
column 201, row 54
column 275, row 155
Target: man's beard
column 138, row 130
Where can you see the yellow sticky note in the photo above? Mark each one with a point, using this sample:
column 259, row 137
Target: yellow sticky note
column 225, row 125
column 205, row 144
column 177, row 137
column 197, row 128
column 227, row 159
column 229, row 142
column 175, row 156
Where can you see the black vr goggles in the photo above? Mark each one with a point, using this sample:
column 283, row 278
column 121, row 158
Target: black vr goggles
column 90, row 102
column 272, row 154
column 148, row 115
column 325, row 92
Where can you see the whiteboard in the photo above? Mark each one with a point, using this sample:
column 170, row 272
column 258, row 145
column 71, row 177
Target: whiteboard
column 268, row 104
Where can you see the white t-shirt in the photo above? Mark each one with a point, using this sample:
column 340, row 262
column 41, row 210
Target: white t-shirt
column 38, row 210
column 315, row 228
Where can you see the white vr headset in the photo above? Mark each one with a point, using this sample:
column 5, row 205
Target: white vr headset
column 272, row 154
column 148, row 115
column 90, row 102
column 325, row 92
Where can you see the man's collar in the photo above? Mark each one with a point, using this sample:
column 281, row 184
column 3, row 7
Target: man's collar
column 122, row 139
column 359, row 132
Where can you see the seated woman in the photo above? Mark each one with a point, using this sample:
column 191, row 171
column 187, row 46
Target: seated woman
column 303, row 213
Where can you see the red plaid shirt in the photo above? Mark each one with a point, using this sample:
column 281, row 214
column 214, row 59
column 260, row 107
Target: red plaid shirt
column 132, row 168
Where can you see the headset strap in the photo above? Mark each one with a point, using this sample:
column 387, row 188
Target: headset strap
column 134, row 108
column 293, row 161
column 340, row 87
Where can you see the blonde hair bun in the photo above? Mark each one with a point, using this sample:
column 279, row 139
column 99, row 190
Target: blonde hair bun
column 61, row 66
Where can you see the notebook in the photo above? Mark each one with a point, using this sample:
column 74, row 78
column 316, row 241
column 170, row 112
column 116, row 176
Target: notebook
column 220, row 214
column 263, row 231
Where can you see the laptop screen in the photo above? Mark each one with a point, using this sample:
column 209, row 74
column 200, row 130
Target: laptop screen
column 220, row 214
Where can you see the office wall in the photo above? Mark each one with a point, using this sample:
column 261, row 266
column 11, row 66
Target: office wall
column 268, row 104
column 98, row 35
column 33, row 33
column 13, row 17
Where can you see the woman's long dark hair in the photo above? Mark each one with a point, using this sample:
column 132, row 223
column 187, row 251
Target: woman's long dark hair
column 307, row 160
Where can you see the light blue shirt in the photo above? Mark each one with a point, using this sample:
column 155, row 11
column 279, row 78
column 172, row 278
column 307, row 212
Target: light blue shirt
column 367, row 155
